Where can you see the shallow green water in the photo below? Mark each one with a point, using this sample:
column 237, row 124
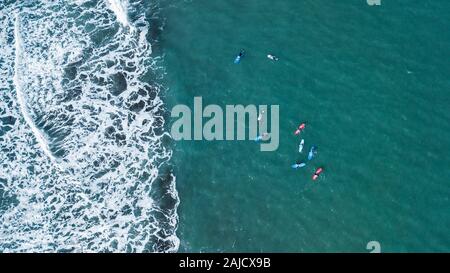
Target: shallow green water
column 373, row 85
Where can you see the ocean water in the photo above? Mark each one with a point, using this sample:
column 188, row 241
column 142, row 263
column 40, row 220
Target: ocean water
column 372, row 83
column 87, row 163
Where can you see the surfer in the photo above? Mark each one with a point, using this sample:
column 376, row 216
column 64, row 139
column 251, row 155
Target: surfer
column 272, row 57
column 239, row 57
column 300, row 146
column 260, row 116
column 263, row 137
column 312, row 152
column 317, row 173
column 300, row 128
column 298, row 165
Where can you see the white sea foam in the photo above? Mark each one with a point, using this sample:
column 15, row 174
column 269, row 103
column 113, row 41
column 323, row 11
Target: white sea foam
column 72, row 89
column 119, row 7
column 20, row 97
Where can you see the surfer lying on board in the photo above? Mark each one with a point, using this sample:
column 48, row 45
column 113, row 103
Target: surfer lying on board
column 298, row 165
column 239, row 57
column 272, row 57
column 264, row 136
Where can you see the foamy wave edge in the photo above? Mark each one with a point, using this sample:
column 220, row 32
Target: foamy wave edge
column 69, row 162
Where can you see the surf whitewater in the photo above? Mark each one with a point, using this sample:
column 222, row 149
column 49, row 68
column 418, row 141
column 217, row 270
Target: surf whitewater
column 83, row 164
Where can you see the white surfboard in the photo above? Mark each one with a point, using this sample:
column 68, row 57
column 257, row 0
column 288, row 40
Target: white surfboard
column 300, row 146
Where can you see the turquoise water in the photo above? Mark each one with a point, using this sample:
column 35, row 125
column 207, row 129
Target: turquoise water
column 372, row 83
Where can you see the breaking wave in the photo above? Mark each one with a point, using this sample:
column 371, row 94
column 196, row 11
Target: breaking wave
column 84, row 164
